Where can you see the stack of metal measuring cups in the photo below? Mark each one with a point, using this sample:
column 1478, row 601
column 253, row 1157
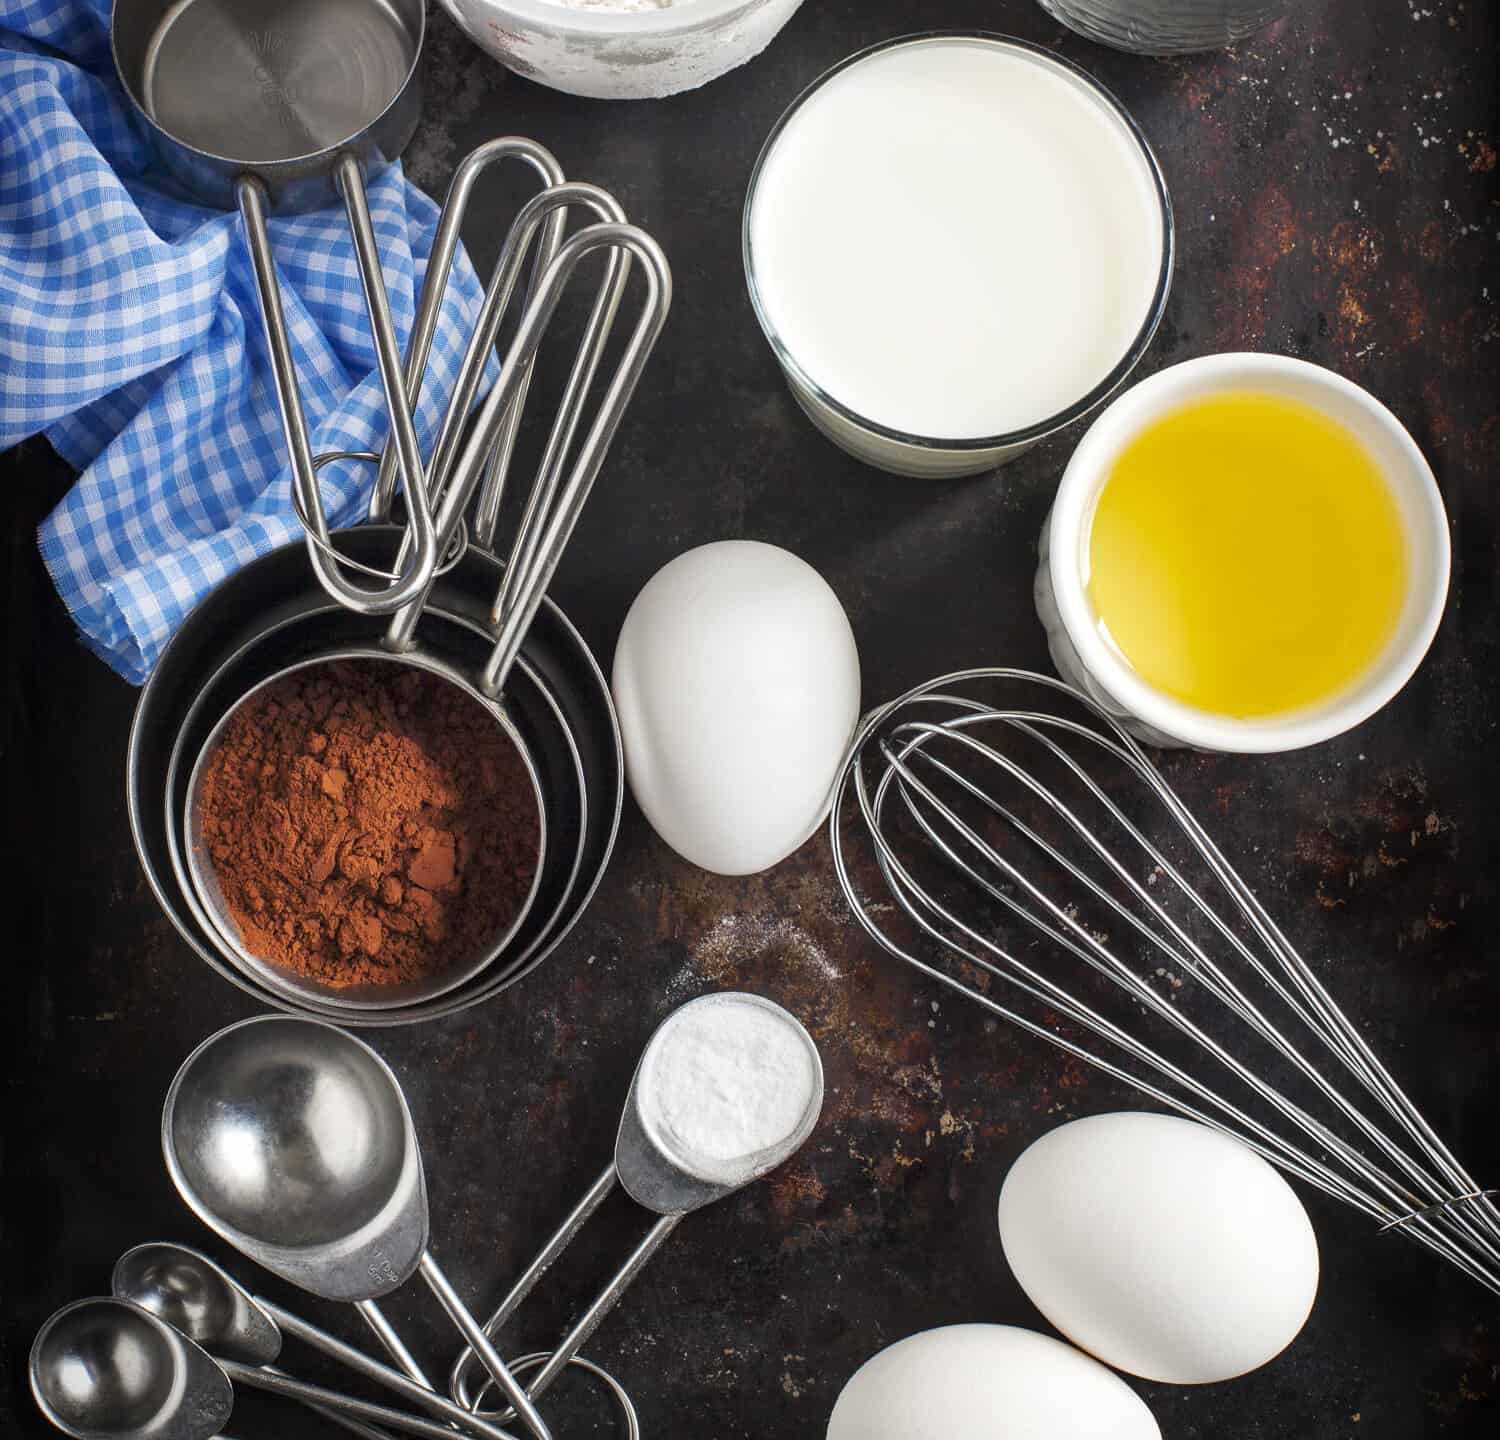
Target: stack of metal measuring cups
column 433, row 593
column 292, row 1141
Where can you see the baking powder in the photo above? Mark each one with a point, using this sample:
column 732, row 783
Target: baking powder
column 726, row 1080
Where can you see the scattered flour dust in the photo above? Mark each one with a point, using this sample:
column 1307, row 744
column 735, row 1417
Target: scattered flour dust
column 727, row 1080
column 735, row 939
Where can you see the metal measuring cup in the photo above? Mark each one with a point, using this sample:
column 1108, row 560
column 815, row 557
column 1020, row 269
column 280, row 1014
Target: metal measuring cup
column 555, row 504
column 252, row 103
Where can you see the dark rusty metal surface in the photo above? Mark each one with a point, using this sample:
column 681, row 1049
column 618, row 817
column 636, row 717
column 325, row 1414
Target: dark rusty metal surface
column 1337, row 199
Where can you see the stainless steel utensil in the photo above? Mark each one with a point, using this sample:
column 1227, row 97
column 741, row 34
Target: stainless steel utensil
column 982, row 810
column 255, row 102
column 195, row 1297
column 555, row 503
column 656, row 1182
column 617, row 1393
column 435, row 282
column 292, row 1141
column 272, row 614
column 186, row 1289
column 107, row 1369
column 205, row 883
column 545, row 725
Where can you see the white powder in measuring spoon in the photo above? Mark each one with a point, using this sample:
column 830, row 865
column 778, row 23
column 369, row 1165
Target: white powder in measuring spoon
column 726, row 1080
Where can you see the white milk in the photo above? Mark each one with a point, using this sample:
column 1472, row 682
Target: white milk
column 955, row 238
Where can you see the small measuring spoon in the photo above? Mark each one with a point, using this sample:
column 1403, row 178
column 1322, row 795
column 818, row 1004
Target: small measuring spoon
column 107, row 1369
column 655, row 1180
column 186, row 1289
column 292, row 1141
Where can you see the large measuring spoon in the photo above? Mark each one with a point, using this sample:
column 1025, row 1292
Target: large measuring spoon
column 669, row 1184
column 186, row 1289
column 292, row 1141
column 107, row 1369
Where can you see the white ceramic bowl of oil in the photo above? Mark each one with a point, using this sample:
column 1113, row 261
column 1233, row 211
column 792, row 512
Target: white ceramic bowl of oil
column 622, row 49
column 1246, row 553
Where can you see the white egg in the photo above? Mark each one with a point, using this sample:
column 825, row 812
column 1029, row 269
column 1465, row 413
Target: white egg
column 987, row 1382
column 737, row 683
column 1163, row 1247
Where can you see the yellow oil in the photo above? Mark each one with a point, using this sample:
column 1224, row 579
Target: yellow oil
column 1246, row 556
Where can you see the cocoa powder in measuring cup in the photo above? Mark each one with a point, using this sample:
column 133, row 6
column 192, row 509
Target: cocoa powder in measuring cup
column 369, row 823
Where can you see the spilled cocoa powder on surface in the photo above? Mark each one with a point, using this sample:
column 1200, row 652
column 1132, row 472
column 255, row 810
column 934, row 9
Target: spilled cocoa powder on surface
column 369, row 823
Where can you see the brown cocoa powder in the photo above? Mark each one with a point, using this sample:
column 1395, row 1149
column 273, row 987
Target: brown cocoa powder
column 369, row 823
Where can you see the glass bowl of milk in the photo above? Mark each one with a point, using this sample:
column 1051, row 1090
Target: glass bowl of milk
column 956, row 243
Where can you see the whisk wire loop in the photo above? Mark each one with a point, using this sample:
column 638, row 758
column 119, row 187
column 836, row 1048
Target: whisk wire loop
column 1089, row 948
column 968, row 797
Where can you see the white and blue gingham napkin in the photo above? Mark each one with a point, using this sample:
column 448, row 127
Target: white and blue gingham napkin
column 130, row 335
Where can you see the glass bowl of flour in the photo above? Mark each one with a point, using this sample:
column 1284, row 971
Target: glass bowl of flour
column 621, row 49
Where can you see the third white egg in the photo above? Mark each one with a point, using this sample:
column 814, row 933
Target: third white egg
column 987, row 1382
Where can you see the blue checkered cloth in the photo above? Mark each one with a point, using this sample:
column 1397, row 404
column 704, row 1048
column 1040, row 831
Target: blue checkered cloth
column 131, row 337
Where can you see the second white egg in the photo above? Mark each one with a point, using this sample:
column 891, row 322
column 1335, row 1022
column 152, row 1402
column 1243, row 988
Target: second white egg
column 1167, row 1249
column 737, row 683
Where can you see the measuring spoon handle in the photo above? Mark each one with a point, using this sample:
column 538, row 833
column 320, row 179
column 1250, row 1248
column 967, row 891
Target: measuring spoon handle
column 275, row 1383
column 607, row 1299
column 362, row 1364
column 469, row 1327
column 590, row 1320
column 391, row 1342
column 526, row 1282
column 349, row 1423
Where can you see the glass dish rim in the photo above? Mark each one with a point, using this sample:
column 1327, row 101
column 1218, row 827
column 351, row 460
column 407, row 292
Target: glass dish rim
column 1035, row 431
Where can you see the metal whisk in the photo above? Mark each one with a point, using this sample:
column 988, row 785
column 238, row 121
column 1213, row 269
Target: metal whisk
column 992, row 827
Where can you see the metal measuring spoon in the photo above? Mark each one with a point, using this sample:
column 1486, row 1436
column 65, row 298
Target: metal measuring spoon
column 186, row 1289
column 292, row 1141
column 108, row 1369
column 653, row 1179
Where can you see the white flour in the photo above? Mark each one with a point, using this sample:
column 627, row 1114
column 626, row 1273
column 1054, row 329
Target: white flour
column 726, row 1080
column 623, row 7
column 624, row 49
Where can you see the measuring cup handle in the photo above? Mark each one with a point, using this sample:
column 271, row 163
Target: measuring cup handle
column 544, row 213
column 251, row 197
column 540, row 545
column 435, row 284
